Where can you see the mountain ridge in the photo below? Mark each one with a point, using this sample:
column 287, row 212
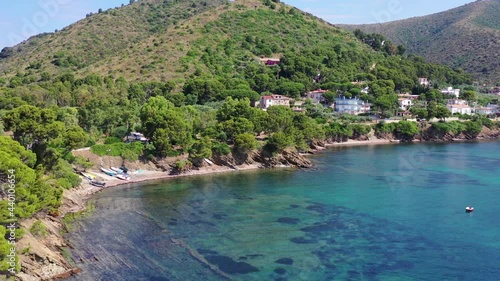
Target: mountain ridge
column 465, row 37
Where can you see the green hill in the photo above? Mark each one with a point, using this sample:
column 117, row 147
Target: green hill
column 466, row 37
column 160, row 40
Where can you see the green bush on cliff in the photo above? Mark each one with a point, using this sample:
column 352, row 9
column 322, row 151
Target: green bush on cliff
column 359, row 130
column 473, row 128
column 453, row 127
column 38, row 229
column 382, row 128
column 406, row 130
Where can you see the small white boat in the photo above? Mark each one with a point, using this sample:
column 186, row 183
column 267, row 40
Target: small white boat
column 108, row 172
column 118, row 170
column 469, row 209
column 123, row 177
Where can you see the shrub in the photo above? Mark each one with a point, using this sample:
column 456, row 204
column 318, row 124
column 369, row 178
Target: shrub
column 65, row 175
column 244, row 143
column 82, row 163
column 406, row 130
column 120, row 132
column 38, row 229
column 221, row 148
column 278, row 142
column 183, row 165
column 383, row 128
column 111, row 140
column 473, row 128
column 359, row 130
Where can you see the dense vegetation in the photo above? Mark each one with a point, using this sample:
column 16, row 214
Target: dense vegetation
column 70, row 99
column 466, row 37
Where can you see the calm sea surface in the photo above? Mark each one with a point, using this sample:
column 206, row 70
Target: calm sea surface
column 391, row 212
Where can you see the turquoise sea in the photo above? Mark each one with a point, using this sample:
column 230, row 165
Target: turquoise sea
column 393, row 212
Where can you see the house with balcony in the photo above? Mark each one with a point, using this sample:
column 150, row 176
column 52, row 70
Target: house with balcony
column 352, row 106
column 450, row 91
column 268, row 101
column 405, row 103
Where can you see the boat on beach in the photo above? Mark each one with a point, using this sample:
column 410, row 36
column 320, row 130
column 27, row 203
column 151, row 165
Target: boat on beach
column 87, row 176
column 108, row 172
column 97, row 183
column 118, row 170
column 123, row 177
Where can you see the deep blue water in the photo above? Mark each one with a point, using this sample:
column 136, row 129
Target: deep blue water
column 392, row 212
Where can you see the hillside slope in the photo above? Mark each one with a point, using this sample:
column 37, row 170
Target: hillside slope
column 167, row 40
column 99, row 37
column 466, row 37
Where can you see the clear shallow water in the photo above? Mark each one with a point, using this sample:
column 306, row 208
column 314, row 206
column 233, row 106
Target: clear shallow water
column 363, row 213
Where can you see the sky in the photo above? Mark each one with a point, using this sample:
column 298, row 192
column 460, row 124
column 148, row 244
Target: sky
column 21, row 19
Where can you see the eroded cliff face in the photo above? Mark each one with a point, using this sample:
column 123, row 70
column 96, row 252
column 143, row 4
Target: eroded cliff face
column 42, row 257
column 430, row 134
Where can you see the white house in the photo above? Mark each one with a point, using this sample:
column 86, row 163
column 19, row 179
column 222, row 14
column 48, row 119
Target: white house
column 459, row 108
column 316, row 96
column 365, row 90
column 424, row 82
column 457, row 101
column 451, row 91
column 268, row 101
column 405, row 103
column 352, row 106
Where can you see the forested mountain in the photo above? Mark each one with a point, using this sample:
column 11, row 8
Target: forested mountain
column 466, row 37
column 184, row 73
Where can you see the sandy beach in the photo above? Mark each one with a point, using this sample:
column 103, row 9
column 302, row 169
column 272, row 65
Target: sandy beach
column 138, row 176
column 85, row 189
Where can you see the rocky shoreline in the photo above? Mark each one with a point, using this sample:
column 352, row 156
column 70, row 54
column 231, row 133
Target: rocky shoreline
column 46, row 258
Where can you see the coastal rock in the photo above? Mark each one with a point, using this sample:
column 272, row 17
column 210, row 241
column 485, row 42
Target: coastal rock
column 43, row 260
column 287, row 158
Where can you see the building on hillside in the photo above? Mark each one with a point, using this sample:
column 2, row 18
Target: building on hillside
column 404, row 113
column 268, row 101
column 269, row 61
column 352, row 106
column 424, row 82
column 486, row 110
column 451, row 91
column 405, row 103
column 459, row 108
column 298, row 106
column 316, row 96
column 135, row 136
column 409, row 96
column 495, row 91
column 365, row 90
column 490, row 109
column 457, row 101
